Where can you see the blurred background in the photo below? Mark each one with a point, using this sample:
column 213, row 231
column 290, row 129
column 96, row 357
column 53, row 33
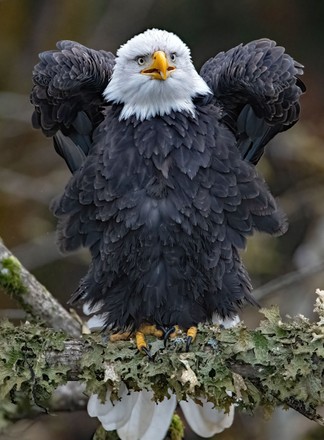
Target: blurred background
column 284, row 271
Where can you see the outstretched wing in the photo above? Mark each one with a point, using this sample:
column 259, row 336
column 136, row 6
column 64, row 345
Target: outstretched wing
column 258, row 89
column 67, row 95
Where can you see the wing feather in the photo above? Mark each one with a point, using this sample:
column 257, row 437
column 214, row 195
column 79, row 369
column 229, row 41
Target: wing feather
column 258, row 87
column 67, row 95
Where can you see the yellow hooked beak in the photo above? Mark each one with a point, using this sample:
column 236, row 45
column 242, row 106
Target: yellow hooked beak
column 160, row 68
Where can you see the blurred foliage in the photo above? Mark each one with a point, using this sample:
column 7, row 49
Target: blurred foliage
column 31, row 174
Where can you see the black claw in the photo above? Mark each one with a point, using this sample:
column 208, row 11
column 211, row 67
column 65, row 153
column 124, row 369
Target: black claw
column 162, row 328
column 147, row 352
column 188, row 343
column 167, row 334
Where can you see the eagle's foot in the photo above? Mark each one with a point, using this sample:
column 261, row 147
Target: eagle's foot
column 141, row 343
column 158, row 331
column 191, row 336
column 152, row 330
column 124, row 336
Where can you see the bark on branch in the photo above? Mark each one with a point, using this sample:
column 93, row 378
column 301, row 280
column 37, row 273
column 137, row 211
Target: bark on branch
column 33, row 297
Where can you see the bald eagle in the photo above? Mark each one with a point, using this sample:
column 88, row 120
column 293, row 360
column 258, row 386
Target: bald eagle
column 164, row 190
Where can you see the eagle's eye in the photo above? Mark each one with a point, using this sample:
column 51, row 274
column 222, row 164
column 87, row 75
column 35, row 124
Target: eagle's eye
column 140, row 61
column 173, row 57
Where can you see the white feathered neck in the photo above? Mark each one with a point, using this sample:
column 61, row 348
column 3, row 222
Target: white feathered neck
column 145, row 97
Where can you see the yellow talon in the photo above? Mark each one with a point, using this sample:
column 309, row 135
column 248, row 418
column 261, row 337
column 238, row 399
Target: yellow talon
column 192, row 332
column 140, row 340
column 146, row 329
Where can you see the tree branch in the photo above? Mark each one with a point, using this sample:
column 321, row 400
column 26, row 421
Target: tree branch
column 33, row 297
column 277, row 363
column 287, row 280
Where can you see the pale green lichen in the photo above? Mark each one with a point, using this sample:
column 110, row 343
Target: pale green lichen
column 23, row 366
column 280, row 362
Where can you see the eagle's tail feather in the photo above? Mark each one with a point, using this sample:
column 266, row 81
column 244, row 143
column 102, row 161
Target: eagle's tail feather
column 112, row 415
column 204, row 419
column 148, row 419
column 135, row 415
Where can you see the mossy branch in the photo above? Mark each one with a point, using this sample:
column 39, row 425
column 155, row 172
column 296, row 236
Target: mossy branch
column 279, row 363
column 32, row 296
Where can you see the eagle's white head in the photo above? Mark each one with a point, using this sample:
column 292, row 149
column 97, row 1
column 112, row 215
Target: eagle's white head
column 154, row 75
